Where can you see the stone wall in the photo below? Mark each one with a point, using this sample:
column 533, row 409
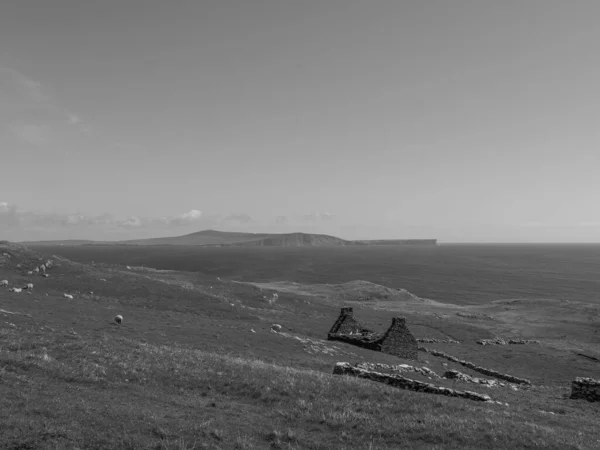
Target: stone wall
column 586, row 388
column 456, row 375
column 437, row 341
column 398, row 381
column 483, row 370
column 346, row 324
column 500, row 341
column 397, row 340
column 426, row 371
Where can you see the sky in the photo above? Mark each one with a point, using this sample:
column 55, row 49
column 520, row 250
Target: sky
column 463, row 120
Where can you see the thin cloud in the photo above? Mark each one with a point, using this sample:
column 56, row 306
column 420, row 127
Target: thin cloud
column 240, row 218
column 316, row 216
column 187, row 218
column 31, row 133
column 21, row 88
column 73, row 119
column 32, row 112
column 584, row 224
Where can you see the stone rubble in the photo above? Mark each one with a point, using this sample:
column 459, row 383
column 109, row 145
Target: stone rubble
column 398, row 368
column 398, row 381
column 483, row 370
column 313, row 346
column 456, row 375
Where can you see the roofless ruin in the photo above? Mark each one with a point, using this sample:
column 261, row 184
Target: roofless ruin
column 397, row 340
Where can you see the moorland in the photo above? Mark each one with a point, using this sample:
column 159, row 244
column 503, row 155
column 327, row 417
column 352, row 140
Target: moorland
column 195, row 364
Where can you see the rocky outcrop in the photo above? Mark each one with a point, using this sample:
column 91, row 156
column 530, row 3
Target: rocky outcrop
column 397, row 340
column 500, row 341
column 398, row 381
column 586, row 388
column 483, row 370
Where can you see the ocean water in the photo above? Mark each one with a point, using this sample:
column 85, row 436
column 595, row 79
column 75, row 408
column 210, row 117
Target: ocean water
column 463, row 274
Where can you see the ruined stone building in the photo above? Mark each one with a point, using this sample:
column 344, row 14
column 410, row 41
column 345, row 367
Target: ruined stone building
column 397, row 340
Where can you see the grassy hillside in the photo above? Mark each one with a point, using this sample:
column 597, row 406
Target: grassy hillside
column 194, row 365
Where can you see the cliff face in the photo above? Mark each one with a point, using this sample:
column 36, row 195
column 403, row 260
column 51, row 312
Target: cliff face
column 297, row 240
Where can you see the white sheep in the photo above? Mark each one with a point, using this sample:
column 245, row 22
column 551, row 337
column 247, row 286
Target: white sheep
column 4, row 283
column 68, row 296
column 28, row 286
column 118, row 319
column 276, row 327
column 16, row 289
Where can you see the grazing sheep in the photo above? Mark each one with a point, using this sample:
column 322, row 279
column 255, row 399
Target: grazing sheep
column 28, row 286
column 276, row 327
column 29, row 272
column 4, row 283
column 16, row 289
column 68, row 296
column 45, row 275
column 119, row 319
column 36, row 270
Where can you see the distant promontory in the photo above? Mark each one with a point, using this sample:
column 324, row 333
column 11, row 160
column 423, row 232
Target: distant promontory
column 215, row 238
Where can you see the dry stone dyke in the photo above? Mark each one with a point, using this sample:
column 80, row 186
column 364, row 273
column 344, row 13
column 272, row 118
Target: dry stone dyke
column 483, row 370
column 398, row 368
column 500, row 341
column 397, row 340
column 437, row 341
column 585, row 388
column 456, row 375
column 398, row 381
column 475, row 316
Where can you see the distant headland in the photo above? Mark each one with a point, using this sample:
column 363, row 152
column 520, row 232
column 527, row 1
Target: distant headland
column 215, row 238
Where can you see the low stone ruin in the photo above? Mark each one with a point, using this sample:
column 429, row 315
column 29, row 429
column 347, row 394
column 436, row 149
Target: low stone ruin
column 456, row 375
column 475, row 316
column 398, row 368
column 397, row 340
column 437, row 341
column 398, row 381
column 500, row 341
column 483, row 370
column 585, row 388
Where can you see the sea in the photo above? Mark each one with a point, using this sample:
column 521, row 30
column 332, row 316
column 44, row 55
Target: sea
column 455, row 273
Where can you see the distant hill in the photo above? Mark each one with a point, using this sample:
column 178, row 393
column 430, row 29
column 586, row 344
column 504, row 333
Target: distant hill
column 225, row 238
column 296, row 240
column 237, row 239
column 206, row 237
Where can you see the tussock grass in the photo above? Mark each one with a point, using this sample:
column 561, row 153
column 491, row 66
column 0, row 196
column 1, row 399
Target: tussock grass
column 115, row 392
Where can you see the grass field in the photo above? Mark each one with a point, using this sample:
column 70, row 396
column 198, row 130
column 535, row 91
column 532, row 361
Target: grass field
column 194, row 364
